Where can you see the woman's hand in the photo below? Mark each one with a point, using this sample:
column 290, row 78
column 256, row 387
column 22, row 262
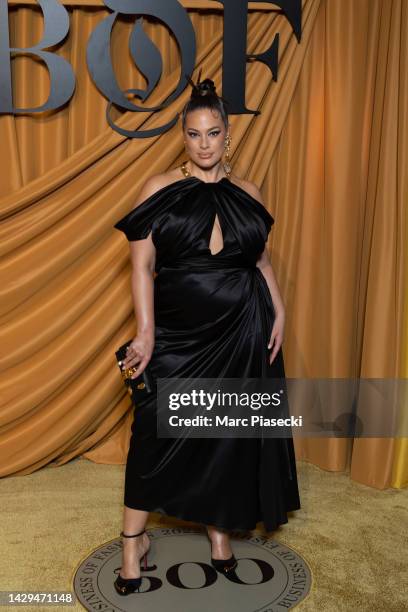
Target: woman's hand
column 139, row 352
column 276, row 339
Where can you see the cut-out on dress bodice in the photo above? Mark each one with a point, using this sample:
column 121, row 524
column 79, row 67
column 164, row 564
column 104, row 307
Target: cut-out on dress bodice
column 181, row 217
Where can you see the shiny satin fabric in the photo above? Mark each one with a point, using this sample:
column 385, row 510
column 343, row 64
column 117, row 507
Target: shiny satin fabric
column 213, row 318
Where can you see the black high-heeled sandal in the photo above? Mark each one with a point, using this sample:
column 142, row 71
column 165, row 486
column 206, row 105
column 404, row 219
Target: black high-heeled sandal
column 223, row 566
column 125, row 586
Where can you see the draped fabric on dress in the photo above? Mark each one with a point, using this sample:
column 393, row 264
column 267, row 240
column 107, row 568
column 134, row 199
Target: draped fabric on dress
column 213, row 318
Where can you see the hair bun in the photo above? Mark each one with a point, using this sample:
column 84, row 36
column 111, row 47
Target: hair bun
column 203, row 88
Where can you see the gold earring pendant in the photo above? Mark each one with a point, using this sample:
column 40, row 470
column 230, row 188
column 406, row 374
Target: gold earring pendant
column 227, row 165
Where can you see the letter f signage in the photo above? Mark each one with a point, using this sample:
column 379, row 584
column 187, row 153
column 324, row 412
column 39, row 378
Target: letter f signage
column 235, row 48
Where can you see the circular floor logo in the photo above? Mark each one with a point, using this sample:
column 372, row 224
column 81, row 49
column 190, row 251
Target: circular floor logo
column 270, row 576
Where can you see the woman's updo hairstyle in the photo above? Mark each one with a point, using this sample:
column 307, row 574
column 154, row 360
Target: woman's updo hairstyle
column 204, row 95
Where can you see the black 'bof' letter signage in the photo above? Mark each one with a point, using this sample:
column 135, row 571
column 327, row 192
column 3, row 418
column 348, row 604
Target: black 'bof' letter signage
column 144, row 53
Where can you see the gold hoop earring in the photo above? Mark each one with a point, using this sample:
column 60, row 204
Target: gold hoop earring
column 227, row 165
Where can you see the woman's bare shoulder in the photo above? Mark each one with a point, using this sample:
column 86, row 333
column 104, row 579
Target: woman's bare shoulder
column 155, row 182
column 247, row 186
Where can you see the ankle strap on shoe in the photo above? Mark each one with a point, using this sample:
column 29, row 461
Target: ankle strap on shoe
column 132, row 536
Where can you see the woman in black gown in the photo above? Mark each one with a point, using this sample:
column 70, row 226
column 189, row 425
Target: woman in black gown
column 214, row 310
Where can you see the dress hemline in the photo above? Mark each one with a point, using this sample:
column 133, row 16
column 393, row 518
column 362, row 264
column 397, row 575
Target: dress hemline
column 205, row 522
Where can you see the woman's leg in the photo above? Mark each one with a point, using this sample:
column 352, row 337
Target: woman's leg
column 134, row 521
column 220, row 543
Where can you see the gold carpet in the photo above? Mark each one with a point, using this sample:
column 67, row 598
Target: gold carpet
column 354, row 538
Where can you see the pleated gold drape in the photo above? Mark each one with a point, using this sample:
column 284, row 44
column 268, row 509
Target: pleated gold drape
column 330, row 155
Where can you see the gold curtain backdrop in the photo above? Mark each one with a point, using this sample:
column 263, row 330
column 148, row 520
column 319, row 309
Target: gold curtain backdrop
column 329, row 153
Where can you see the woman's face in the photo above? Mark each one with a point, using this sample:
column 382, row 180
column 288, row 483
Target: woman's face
column 204, row 134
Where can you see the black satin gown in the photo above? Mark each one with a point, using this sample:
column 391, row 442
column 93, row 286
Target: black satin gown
column 213, row 318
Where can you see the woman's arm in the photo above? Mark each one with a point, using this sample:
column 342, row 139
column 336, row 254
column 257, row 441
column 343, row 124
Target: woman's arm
column 143, row 257
column 141, row 348
column 264, row 264
column 278, row 328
